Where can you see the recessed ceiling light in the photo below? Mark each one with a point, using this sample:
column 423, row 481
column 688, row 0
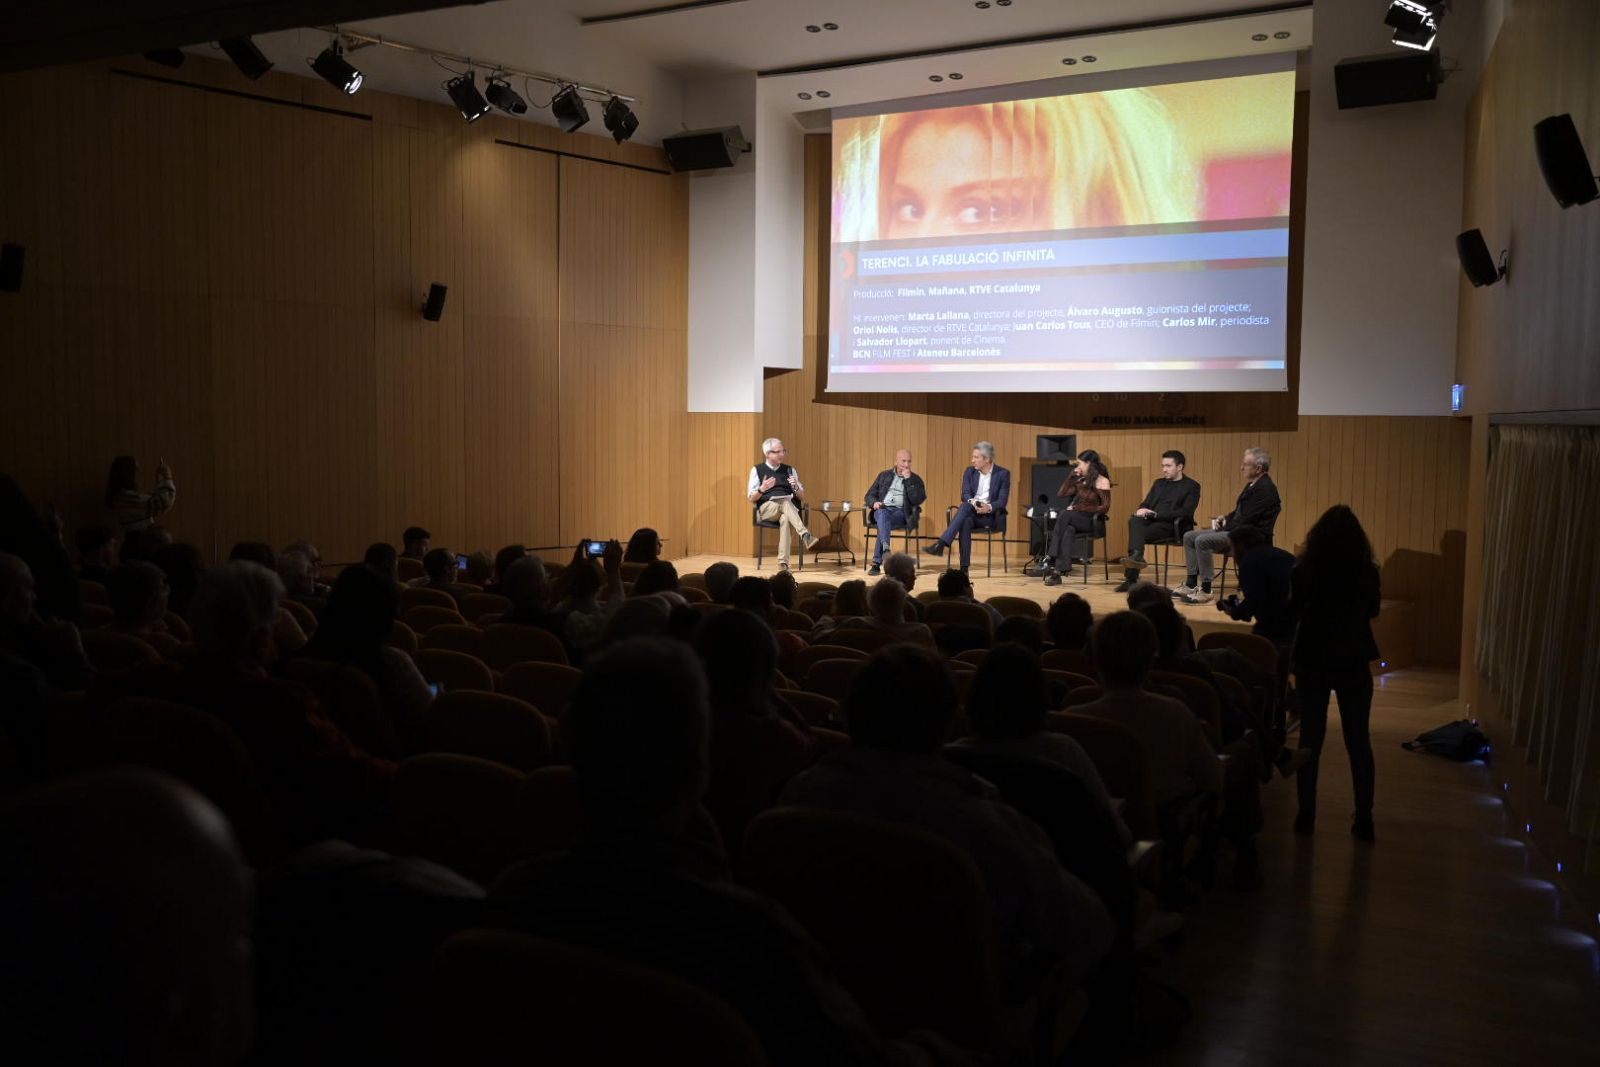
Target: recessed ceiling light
column 813, row 29
column 1091, row 59
column 936, row 77
column 955, row 76
column 981, row 5
column 830, row 25
column 1003, row 3
column 1282, row 35
column 1258, row 37
column 1069, row 62
column 824, row 93
column 803, row 96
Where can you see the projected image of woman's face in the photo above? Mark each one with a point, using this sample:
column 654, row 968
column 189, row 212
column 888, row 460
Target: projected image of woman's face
column 944, row 183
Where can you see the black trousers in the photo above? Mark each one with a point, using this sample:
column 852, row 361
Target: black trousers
column 1352, row 683
column 1141, row 529
column 1074, row 535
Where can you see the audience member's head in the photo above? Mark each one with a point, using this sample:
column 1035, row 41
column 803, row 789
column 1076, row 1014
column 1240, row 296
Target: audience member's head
column 358, row 618
column 440, row 566
column 851, row 599
column 524, row 583
column 1336, row 546
column 1124, row 649
column 311, row 553
column 97, row 545
column 1243, row 540
column 123, row 476
column 643, row 547
column 640, row 735
column 183, row 567
column 785, row 590
column 902, row 568
column 1009, row 697
column 583, row 580
column 903, row 700
column 124, row 925
column 1170, row 629
column 1069, row 620
column 1144, row 593
column 299, row 574
column 954, row 584
column 504, row 558
column 1021, row 630
column 480, row 568
column 740, row 657
column 658, row 576
column 16, row 593
column 640, row 616
column 415, row 542
column 382, row 558
column 138, row 594
column 257, row 552
column 752, row 594
column 887, row 602
column 234, row 609
column 719, row 581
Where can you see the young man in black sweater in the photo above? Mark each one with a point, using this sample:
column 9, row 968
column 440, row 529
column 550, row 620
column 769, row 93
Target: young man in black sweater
column 1167, row 512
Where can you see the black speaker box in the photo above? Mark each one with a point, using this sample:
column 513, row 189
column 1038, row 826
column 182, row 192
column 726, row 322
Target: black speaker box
column 10, row 268
column 1563, row 161
column 705, row 149
column 1475, row 258
column 1399, row 78
column 1056, row 447
column 434, row 306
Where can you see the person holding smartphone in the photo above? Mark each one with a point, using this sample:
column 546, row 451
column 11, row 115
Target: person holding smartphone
column 774, row 488
column 130, row 507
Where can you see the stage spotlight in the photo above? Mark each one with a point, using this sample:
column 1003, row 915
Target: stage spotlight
column 502, row 96
column 336, row 70
column 246, row 56
column 167, row 57
column 1415, row 24
column 620, row 119
column 569, row 109
column 463, row 90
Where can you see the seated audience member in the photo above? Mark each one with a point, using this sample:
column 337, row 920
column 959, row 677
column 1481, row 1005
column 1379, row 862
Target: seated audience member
column 900, row 709
column 354, row 633
column 754, row 595
column 1007, row 707
column 138, row 595
column 312, row 555
column 903, row 569
column 955, row 585
column 847, row 610
column 503, row 560
column 887, row 606
column 757, row 743
column 1021, row 630
column 1143, row 594
column 36, row 540
column 124, row 926
column 643, row 547
column 183, row 567
column 257, row 552
column 480, row 569
column 525, row 585
column 39, row 660
column 97, row 551
column 382, row 558
column 415, row 543
column 1181, row 759
column 658, row 576
column 143, row 543
column 300, row 580
column 317, row 783
column 637, row 886
column 1264, row 587
column 584, row 615
column 130, row 507
column 641, row 616
column 439, row 570
column 719, row 581
column 1069, row 621
column 785, row 589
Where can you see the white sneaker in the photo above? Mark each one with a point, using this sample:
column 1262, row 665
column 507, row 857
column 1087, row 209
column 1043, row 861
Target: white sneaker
column 808, row 540
column 1197, row 596
column 1181, row 592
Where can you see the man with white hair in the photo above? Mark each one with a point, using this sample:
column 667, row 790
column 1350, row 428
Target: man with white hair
column 774, row 487
column 1257, row 507
column 903, row 569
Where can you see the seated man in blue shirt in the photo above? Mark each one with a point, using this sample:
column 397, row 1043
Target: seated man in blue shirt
column 894, row 502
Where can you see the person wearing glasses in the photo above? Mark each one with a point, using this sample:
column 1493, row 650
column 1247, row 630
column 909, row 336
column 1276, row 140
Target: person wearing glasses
column 774, row 488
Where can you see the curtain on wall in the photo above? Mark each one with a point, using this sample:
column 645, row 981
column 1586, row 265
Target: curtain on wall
column 1539, row 621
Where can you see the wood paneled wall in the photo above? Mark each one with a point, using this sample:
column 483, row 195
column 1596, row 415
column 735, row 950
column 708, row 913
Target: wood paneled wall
column 231, row 279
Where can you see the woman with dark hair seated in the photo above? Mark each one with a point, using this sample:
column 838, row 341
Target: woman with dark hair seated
column 354, row 632
column 643, row 547
column 1087, row 496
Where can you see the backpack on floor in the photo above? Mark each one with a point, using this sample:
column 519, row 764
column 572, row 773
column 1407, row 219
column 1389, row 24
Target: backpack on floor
column 1460, row 740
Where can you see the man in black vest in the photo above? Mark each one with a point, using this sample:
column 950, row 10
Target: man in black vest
column 773, row 488
column 894, row 501
column 1167, row 511
column 1258, row 506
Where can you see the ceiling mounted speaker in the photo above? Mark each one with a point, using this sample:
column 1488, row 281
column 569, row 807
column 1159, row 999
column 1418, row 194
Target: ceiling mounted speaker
column 1393, row 78
column 1564, row 162
column 705, row 149
column 1476, row 262
column 433, row 307
column 10, row 268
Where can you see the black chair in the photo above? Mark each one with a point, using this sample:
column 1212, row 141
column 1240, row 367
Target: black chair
column 988, row 537
column 1098, row 534
column 763, row 525
column 1167, row 544
column 910, row 537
